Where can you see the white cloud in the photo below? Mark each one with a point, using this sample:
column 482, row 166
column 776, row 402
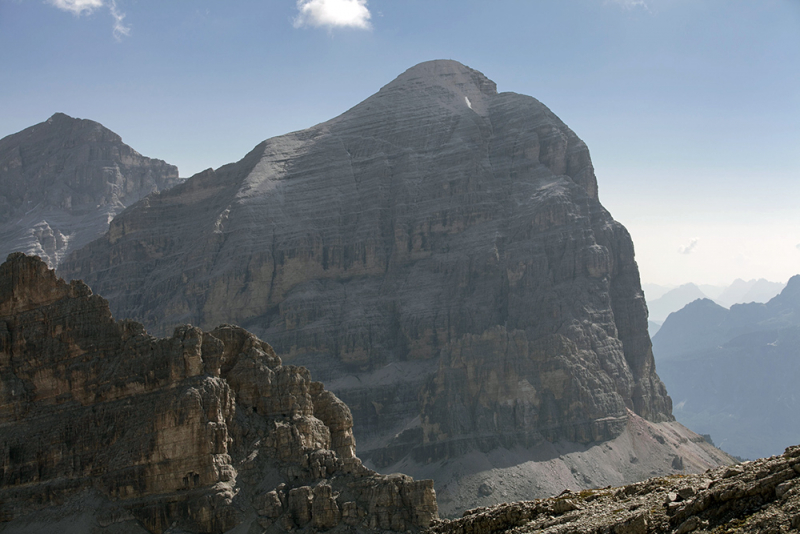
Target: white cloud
column 690, row 247
column 798, row 246
column 333, row 14
column 79, row 7
column 120, row 30
column 628, row 4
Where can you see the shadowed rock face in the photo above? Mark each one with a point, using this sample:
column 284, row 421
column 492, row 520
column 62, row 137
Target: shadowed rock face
column 202, row 431
column 437, row 255
column 63, row 180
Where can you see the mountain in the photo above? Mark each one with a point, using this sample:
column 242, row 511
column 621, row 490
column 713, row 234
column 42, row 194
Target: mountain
column 741, row 291
column 673, row 300
column 653, row 327
column 713, row 291
column 699, row 324
column 751, row 498
column 654, row 291
column 63, row 180
column 438, row 257
column 734, row 373
column 106, row 429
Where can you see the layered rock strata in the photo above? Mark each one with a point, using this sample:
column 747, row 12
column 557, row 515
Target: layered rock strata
column 63, row 180
column 202, row 431
column 754, row 497
column 437, row 255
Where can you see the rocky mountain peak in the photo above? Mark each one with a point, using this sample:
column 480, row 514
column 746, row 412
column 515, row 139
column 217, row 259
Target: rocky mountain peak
column 63, row 180
column 63, row 118
column 437, row 255
column 445, row 73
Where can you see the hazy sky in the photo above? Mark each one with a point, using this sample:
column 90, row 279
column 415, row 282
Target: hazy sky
column 690, row 108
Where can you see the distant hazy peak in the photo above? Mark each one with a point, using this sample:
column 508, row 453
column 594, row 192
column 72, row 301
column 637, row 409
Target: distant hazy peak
column 690, row 287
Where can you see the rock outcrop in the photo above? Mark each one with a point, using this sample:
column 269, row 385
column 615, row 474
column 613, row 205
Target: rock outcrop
column 734, row 373
column 754, row 497
column 437, row 256
column 63, row 180
column 105, row 426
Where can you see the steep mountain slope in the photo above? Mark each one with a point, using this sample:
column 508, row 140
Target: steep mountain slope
column 734, row 373
column 437, row 255
column 755, row 497
column 104, row 428
column 63, row 180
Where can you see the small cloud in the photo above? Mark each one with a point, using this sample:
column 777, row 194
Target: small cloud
column 120, row 30
column 333, row 14
column 798, row 246
column 690, row 247
column 79, row 7
column 628, row 4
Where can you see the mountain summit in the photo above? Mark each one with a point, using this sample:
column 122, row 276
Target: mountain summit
column 63, row 180
column 438, row 256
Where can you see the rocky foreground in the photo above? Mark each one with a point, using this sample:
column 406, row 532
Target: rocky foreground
column 753, row 497
column 106, row 429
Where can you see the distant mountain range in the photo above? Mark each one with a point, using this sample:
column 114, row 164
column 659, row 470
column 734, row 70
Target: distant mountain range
column 663, row 300
column 734, row 373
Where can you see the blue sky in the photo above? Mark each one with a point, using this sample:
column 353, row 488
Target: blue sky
column 690, row 108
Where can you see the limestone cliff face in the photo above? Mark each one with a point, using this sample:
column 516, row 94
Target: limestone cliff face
column 63, row 180
column 203, row 430
column 437, row 255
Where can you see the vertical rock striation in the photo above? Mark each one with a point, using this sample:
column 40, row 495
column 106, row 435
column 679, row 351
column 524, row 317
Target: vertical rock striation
column 63, row 180
column 203, row 430
column 437, row 255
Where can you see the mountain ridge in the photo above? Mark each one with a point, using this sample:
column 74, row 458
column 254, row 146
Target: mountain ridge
column 63, row 180
column 744, row 364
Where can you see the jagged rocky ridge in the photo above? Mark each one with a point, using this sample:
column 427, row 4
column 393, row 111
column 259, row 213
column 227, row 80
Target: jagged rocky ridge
column 63, row 180
column 754, row 497
column 104, row 428
column 437, row 256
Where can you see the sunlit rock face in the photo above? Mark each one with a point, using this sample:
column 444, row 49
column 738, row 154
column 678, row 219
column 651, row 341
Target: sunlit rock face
column 105, row 426
column 437, row 255
column 63, row 180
